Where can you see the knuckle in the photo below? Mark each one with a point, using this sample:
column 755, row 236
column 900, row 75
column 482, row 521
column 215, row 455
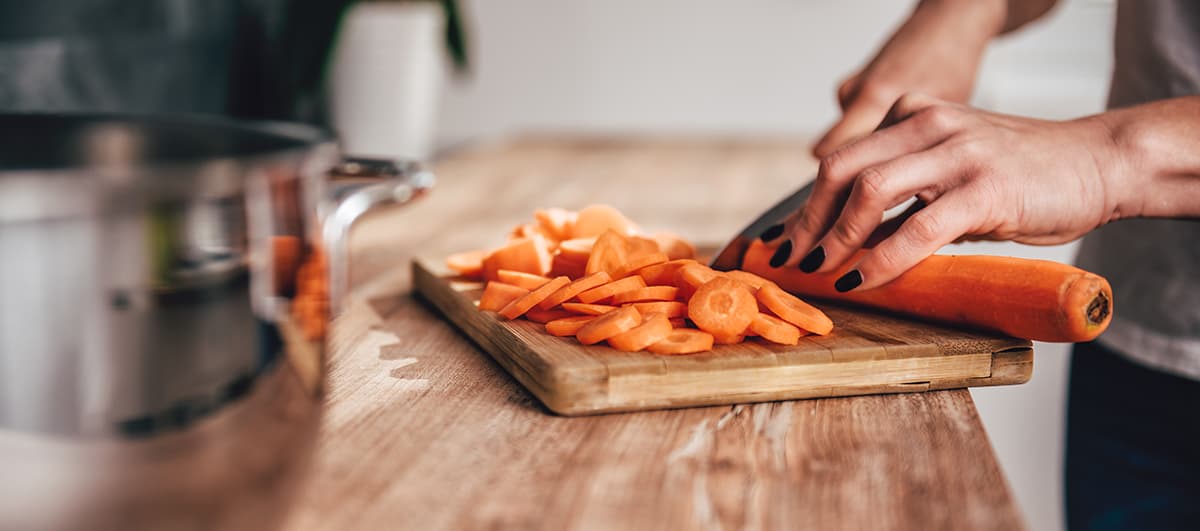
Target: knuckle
column 873, row 185
column 846, row 233
column 832, row 166
column 925, row 227
column 940, row 117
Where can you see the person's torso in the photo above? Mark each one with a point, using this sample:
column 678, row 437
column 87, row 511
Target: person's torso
column 1153, row 264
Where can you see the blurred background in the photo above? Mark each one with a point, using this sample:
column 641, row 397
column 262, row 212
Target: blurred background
column 765, row 68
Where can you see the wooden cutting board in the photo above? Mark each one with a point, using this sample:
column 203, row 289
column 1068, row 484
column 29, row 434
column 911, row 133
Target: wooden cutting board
column 868, row 353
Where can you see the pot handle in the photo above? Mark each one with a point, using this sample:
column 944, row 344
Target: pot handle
column 357, row 186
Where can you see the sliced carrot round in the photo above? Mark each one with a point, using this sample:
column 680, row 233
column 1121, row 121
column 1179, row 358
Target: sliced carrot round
column 775, row 330
column 587, row 309
column 793, row 310
column 674, row 245
column 468, row 263
column 672, row 309
column 562, row 265
column 606, row 291
column 734, row 339
column 664, row 273
column 545, row 316
column 568, row 326
column 525, row 280
column 497, row 295
column 723, row 307
column 577, row 249
column 654, row 328
column 636, row 262
column 608, row 325
column 593, row 220
column 683, row 341
column 692, row 276
column 678, row 322
column 518, row 307
column 647, row 294
column 569, row 291
column 748, row 278
column 608, row 253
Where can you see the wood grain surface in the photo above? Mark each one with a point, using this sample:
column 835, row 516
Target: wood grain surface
column 425, row 431
column 867, row 353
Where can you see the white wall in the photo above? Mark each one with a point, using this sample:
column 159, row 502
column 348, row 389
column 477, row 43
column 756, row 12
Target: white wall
column 769, row 66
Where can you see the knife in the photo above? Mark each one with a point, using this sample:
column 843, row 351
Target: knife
column 730, row 256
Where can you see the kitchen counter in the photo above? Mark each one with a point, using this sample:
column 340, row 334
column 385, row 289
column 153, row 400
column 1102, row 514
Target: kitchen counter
column 424, row 431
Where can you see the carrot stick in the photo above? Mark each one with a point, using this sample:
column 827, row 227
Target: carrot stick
column 775, row 330
column 522, row 279
column 634, row 263
column 654, row 328
column 722, row 307
column 518, row 307
column 575, row 288
column 587, row 309
column 497, row 295
column 568, row 326
column 600, row 293
column 793, row 310
column 672, row 309
column 609, row 325
column 683, row 341
column 1033, row 299
column 647, row 294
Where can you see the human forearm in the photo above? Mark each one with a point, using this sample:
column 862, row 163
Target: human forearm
column 1155, row 171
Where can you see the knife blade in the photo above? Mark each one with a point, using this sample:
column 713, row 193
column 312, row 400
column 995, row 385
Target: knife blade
column 730, row 256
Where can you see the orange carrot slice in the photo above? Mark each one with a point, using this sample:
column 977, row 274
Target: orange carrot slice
column 576, row 250
column 569, row 291
column 518, row 307
column 654, row 328
column 638, row 246
column 692, row 276
column 728, row 340
column 608, row 254
column 563, row 265
column 664, row 273
column 522, row 279
column 587, row 309
column 671, row 309
column 497, row 295
column 531, row 255
column 683, row 341
column 568, row 326
column 678, row 323
column 609, row 325
column 793, row 310
column 647, row 294
column 636, row 262
column 545, row 316
column 593, row 220
column 747, row 278
column 674, row 245
column 605, row 291
column 775, row 330
column 556, row 222
column 467, row 263
column 723, row 307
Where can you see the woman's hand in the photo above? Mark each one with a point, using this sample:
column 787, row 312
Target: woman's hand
column 936, row 52
column 980, row 175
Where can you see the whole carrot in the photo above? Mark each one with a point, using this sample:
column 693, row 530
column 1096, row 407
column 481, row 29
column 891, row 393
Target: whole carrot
column 1032, row 299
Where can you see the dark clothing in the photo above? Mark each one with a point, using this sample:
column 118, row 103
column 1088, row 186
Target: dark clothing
column 260, row 59
column 1133, row 445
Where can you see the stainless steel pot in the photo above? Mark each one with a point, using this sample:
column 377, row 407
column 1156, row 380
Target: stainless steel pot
column 165, row 289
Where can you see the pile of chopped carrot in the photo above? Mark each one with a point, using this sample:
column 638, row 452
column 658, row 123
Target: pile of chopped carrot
column 593, row 275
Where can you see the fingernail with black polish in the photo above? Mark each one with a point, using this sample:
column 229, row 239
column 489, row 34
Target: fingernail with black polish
column 814, row 260
column 848, row 281
column 781, row 254
column 772, row 232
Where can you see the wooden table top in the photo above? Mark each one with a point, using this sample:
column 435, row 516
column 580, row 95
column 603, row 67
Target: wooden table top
column 424, row 431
